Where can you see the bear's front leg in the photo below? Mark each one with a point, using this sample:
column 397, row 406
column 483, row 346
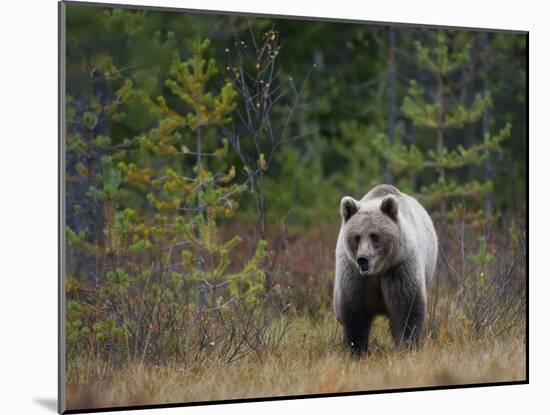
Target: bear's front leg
column 406, row 304
column 356, row 332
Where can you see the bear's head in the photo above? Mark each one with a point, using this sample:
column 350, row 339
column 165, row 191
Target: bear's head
column 372, row 233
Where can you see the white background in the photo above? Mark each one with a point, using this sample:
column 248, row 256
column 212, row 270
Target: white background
column 28, row 203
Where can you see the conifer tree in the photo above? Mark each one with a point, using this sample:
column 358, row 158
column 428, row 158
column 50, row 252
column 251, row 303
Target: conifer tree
column 436, row 109
column 190, row 202
column 96, row 100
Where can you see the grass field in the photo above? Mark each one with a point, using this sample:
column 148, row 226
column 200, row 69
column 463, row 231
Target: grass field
column 309, row 360
column 474, row 332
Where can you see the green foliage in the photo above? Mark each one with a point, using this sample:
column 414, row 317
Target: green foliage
column 110, row 182
column 441, row 115
column 300, row 194
column 439, row 60
column 357, row 147
column 189, row 79
column 187, row 200
column 249, row 282
column 403, row 159
column 475, row 154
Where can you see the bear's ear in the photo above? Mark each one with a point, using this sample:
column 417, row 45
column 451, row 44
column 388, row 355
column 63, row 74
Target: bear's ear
column 389, row 207
column 348, row 207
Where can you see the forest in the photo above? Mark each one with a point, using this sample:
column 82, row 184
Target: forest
column 205, row 160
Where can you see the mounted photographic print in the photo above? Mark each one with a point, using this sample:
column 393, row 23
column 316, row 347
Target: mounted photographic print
column 277, row 207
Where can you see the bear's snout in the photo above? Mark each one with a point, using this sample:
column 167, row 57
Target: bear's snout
column 363, row 264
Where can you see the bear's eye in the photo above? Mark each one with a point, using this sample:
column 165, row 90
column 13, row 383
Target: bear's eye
column 356, row 239
column 374, row 237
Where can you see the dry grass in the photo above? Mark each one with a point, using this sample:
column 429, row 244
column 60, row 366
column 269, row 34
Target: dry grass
column 474, row 333
column 310, row 360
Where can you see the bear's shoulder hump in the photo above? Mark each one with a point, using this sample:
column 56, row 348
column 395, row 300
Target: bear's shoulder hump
column 383, row 190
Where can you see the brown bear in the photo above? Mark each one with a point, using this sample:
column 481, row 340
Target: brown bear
column 386, row 254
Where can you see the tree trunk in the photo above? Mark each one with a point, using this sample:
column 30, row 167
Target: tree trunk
column 201, row 210
column 391, row 99
column 440, row 143
column 487, row 164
